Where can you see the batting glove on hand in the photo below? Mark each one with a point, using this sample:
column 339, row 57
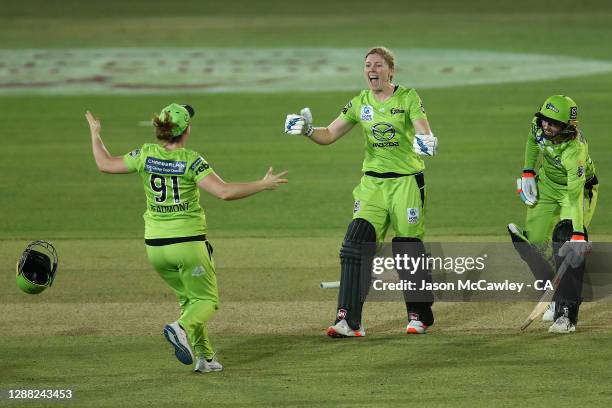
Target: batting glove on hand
column 425, row 145
column 299, row 124
column 575, row 249
column 527, row 188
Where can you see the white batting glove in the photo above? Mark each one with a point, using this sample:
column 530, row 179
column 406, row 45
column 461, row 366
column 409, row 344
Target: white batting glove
column 425, row 145
column 575, row 249
column 299, row 124
column 527, row 188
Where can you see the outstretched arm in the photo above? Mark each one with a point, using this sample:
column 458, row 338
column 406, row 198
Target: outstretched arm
column 302, row 125
column 215, row 185
column 335, row 130
column 105, row 162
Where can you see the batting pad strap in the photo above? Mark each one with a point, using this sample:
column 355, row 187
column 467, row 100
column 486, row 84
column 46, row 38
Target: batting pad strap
column 577, row 236
column 529, row 173
column 350, row 250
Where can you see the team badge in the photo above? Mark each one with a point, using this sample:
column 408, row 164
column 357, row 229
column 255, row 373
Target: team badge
column 413, row 215
column 367, row 113
column 198, row 271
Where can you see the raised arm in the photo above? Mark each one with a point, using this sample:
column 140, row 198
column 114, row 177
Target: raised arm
column 215, row 185
column 105, row 162
column 335, row 130
column 302, row 125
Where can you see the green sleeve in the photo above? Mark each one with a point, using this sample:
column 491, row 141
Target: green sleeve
column 349, row 112
column 416, row 109
column 531, row 151
column 199, row 168
column 573, row 159
column 133, row 160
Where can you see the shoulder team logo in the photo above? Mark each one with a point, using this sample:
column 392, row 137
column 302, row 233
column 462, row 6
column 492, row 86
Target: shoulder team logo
column 367, row 113
column 383, row 131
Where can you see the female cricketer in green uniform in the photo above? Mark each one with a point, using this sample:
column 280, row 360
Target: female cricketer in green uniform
column 175, row 225
column 392, row 191
column 561, row 200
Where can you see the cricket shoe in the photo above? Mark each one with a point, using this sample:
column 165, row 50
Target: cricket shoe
column 416, row 327
column 342, row 329
column 175, row 334
column 562, row 325
column 205, row 366
column 549, row 313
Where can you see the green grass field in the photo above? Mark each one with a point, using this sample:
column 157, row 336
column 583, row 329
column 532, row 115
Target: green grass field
column 98, row 330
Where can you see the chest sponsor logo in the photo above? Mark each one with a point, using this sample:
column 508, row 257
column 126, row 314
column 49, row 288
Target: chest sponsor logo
column 383, row 131
column 160, row 166
column 397, row 111
column 367, row 113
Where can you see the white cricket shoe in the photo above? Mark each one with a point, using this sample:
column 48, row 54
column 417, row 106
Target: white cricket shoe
column 549, row 313
column 416, row 327
column 176, row 336
column 562, row 325
column 204, row 366
column 342, row 329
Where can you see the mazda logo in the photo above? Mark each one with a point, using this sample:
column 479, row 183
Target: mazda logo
column 383, row 131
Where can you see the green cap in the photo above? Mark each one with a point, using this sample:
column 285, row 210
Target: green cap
column 559, row 108
column 180, row 115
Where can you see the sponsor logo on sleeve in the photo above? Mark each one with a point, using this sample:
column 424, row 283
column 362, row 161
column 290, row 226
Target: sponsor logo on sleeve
column 134, row 153
column 422, row 107
column 367, row 113
column 580, row 171
column 413, row 215
column 357, row 206
column 195, row 163
column 160, row 166
column 347, row 107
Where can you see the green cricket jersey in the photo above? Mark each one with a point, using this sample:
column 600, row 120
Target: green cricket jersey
column 388, row 130
column 567, row 164
column 170, row 183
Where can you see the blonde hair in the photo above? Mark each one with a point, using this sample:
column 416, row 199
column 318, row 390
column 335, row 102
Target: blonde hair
column 385, row 53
